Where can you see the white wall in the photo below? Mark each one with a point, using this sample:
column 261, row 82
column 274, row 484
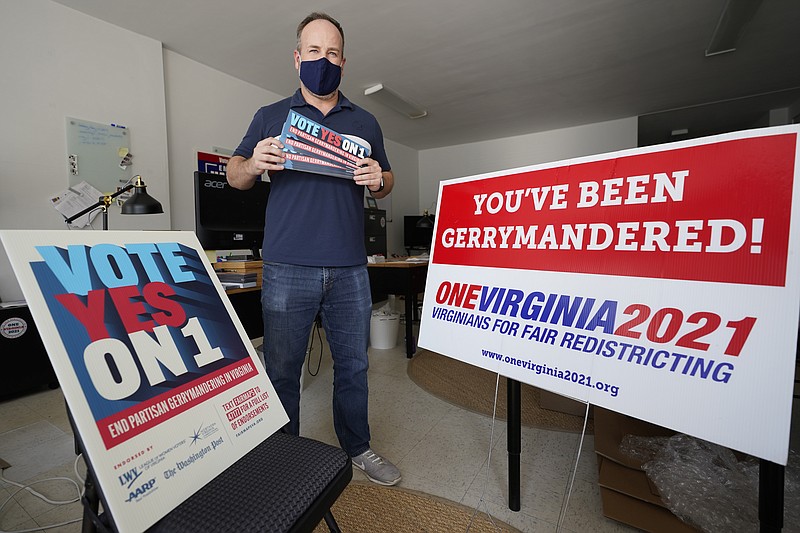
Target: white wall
column 205, row 108
column 58, row 63
column 470, row 159
column 405, row 195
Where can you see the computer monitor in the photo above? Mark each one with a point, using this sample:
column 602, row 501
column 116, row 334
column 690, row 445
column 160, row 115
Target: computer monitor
column 414, row 237
column 227, row 218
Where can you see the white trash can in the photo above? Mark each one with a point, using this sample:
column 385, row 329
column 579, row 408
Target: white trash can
column 383, row 329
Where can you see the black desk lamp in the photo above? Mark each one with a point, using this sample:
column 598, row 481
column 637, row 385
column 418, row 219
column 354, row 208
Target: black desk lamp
column 140, row 203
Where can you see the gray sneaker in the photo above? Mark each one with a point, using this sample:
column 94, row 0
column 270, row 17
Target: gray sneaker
column 377, row 469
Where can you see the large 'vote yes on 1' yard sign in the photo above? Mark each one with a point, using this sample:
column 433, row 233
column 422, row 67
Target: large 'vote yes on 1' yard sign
column 660, row 282
column 162, row 382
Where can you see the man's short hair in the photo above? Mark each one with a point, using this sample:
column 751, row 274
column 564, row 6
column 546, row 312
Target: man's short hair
column 318, row 16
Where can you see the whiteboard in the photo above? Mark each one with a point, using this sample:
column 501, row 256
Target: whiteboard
column 95, row 153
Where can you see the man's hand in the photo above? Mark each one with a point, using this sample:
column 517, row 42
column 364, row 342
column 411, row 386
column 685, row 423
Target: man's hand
column 267, row 156
column 368, row 173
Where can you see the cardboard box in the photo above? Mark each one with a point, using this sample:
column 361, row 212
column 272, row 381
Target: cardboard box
column 627, row 494
column 642, row 515
column 629, row 481
column 611, row 427
column 562, row 404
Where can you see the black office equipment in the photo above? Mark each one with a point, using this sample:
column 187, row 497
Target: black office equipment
column 375, row 231
column 227, row 218
column 416, row 237
column 25, row 364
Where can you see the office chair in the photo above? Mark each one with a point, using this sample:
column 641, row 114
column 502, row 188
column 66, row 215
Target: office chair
column 285, row 484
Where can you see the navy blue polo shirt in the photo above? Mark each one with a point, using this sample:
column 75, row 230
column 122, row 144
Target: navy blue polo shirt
column 312, row 219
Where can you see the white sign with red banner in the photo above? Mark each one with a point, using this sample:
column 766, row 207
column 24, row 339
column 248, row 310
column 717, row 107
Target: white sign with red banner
column 162, row 382
column 212, row 163
column 661, row 282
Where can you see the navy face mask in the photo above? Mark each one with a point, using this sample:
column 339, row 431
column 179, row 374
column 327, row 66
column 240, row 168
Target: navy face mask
column 321, row 77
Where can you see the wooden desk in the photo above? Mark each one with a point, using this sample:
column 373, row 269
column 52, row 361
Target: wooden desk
column 393, row 277
column 246, row 302
column 400, row 277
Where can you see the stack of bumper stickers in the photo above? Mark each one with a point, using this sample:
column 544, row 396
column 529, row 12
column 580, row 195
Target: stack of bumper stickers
column 311, row 147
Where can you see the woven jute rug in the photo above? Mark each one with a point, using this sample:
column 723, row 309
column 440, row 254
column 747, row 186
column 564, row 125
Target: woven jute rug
column 368, row 508
column 473, row 389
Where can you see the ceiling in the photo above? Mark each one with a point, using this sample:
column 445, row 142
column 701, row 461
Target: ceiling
column 487, row 70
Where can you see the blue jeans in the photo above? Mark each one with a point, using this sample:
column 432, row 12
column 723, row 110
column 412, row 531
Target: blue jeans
column 291, row 298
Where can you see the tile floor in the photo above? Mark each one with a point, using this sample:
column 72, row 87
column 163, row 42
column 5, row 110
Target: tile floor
column 440, row 449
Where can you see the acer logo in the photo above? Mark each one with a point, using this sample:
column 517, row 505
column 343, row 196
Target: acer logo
column 214, row 184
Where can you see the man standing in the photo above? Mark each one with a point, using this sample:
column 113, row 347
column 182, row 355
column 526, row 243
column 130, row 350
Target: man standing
column 313, row 250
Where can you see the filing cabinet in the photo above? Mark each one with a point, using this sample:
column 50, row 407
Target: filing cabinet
column 375, row 231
